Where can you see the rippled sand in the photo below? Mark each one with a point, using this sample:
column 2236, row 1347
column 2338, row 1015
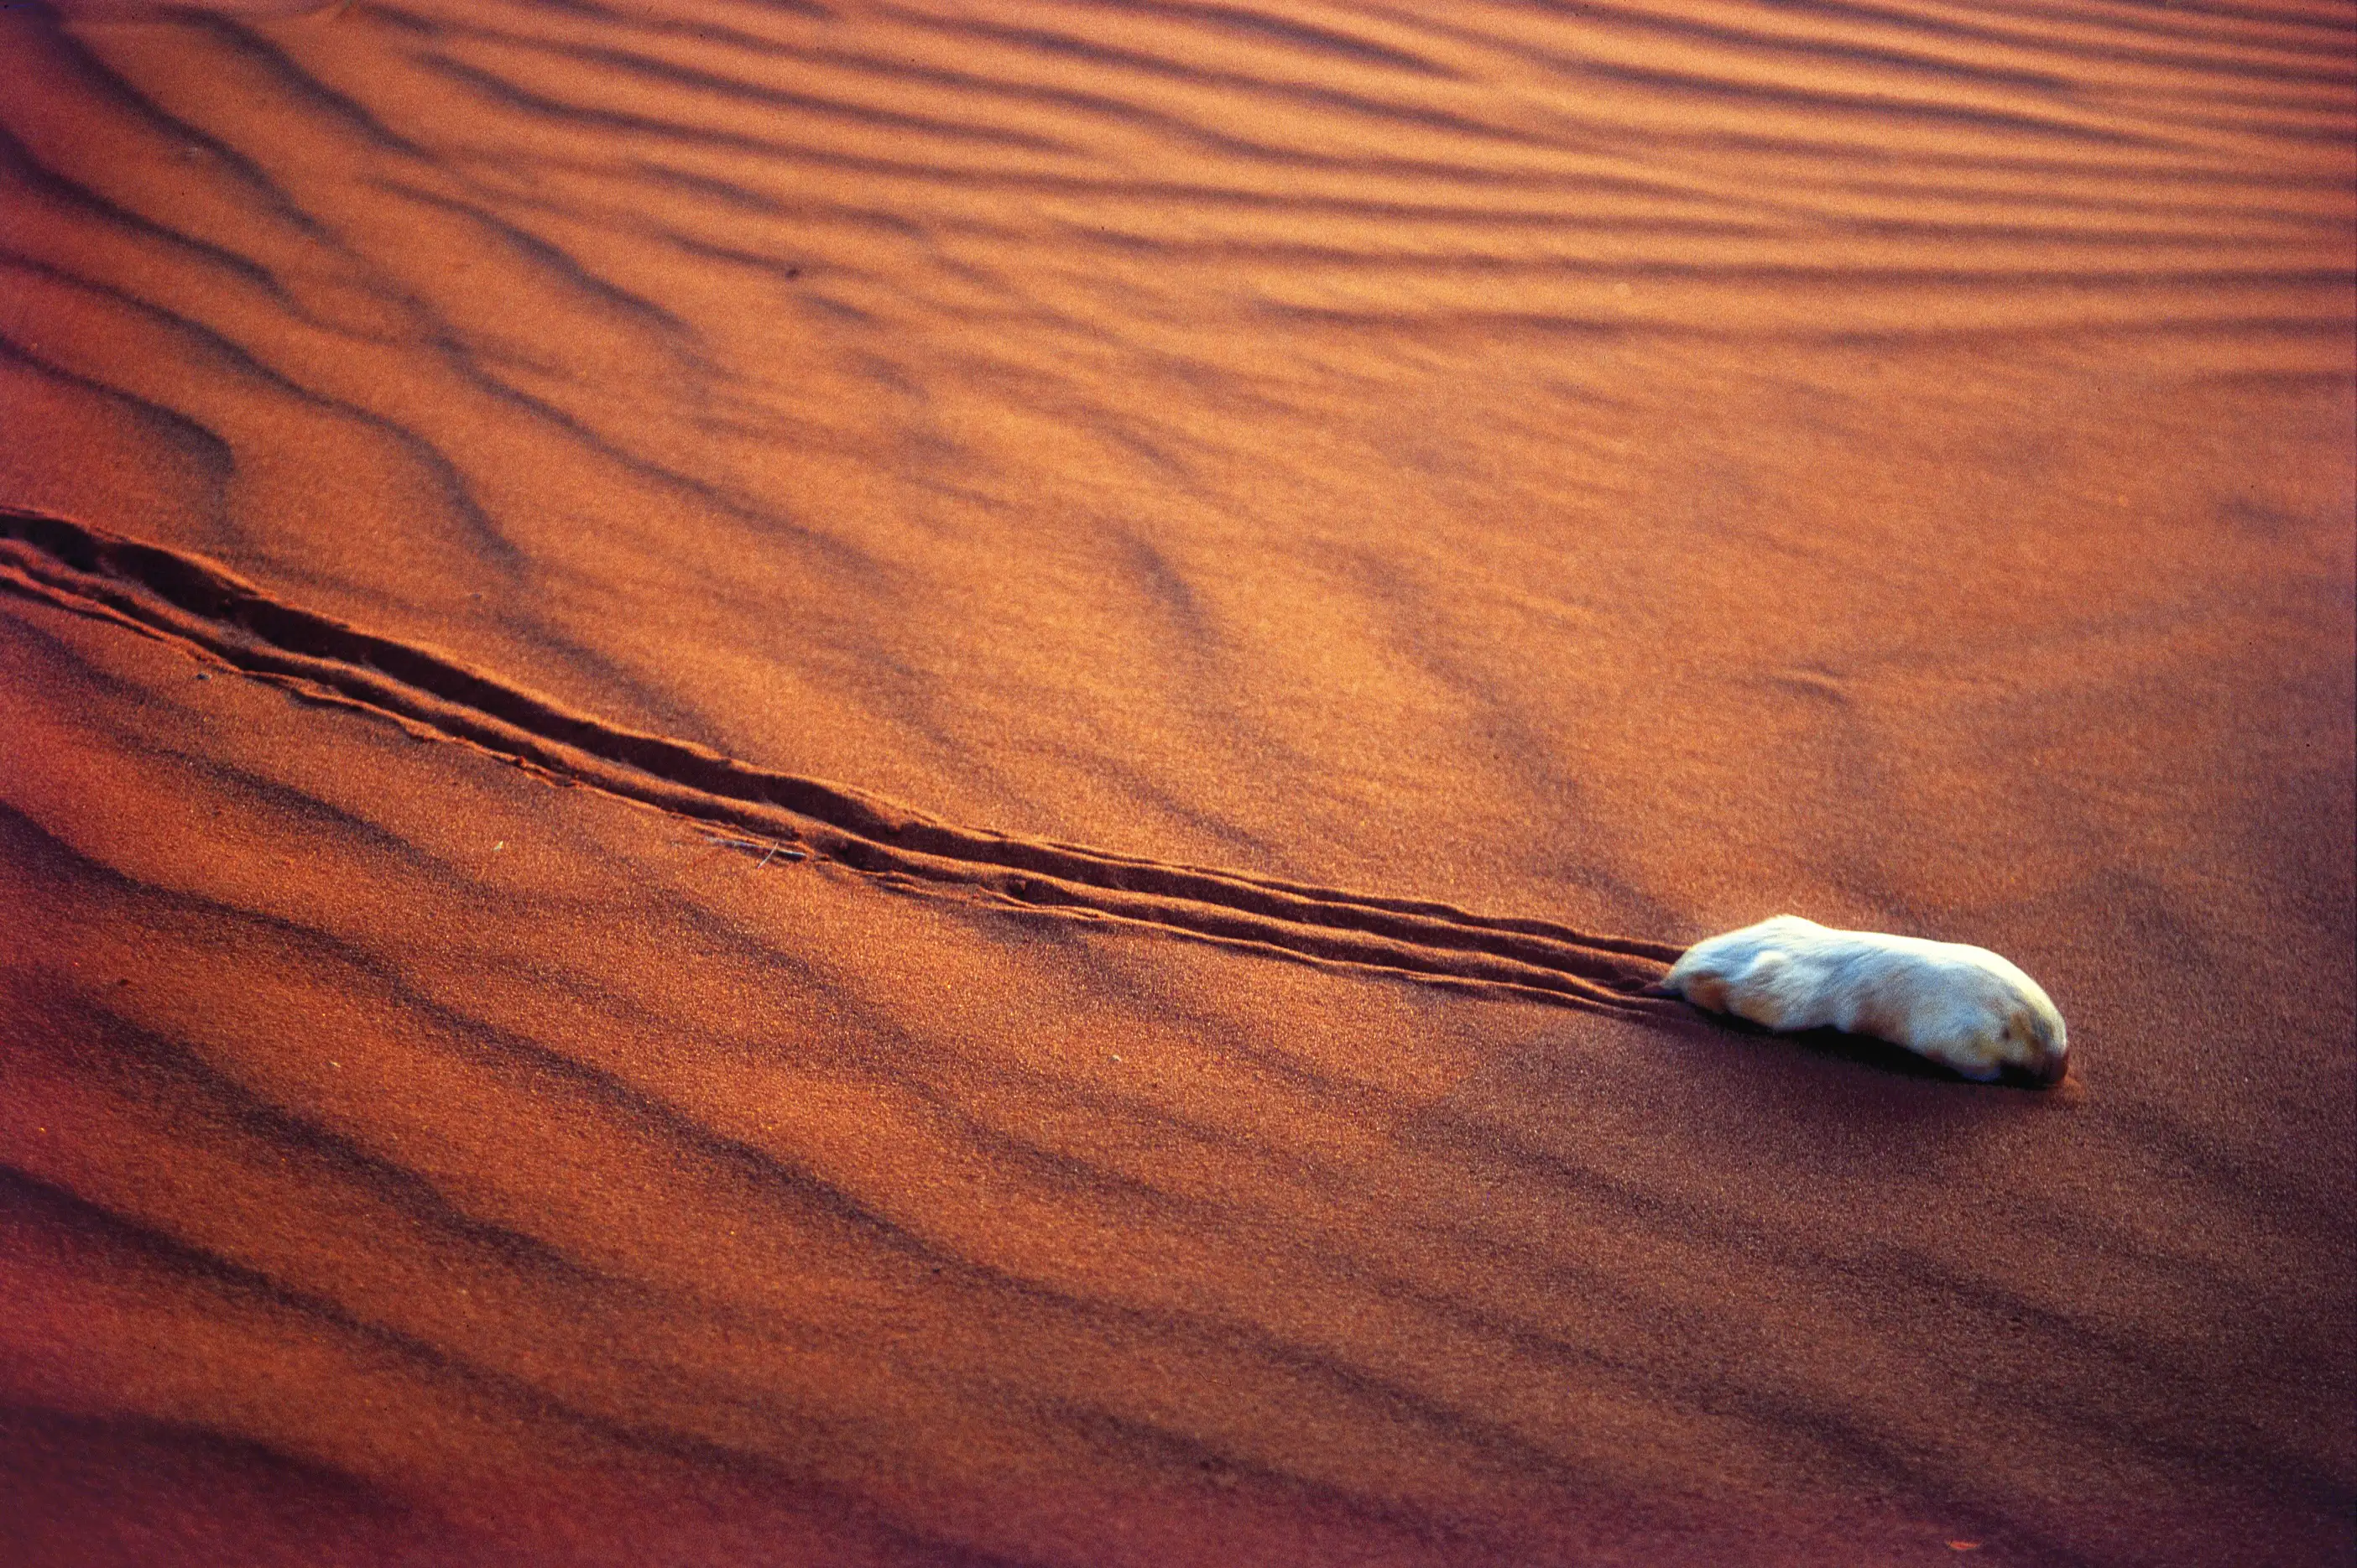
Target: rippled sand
column 893, row 783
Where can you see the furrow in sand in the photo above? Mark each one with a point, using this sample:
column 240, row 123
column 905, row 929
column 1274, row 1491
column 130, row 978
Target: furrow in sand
column 184, row 598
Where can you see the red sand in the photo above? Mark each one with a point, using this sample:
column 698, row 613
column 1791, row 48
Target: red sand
column 1274, row 561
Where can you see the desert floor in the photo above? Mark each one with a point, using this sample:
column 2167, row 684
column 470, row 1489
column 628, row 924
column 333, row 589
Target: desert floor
column 890, row 783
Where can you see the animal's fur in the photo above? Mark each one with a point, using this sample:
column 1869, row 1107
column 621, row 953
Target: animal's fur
column 1964, row 1007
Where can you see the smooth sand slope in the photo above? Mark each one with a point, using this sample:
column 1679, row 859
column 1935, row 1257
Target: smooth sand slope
column 788, row 783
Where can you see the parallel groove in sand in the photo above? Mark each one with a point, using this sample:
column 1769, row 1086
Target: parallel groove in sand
column 183, row 598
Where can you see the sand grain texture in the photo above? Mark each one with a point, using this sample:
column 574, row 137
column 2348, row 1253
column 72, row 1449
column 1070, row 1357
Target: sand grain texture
column 1270, row 564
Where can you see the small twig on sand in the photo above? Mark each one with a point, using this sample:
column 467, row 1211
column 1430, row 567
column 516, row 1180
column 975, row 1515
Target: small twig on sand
column 770, row 850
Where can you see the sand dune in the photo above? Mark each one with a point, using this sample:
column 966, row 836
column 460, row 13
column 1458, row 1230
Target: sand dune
column 1229, row 544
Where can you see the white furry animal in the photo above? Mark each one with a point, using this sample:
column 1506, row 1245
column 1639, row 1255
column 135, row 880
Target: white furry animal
column 1964, row 1007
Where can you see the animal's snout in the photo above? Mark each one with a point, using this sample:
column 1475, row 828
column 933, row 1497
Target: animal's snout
column 2047, row 1068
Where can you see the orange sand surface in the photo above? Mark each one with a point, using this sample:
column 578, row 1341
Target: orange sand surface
column 791, row 782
